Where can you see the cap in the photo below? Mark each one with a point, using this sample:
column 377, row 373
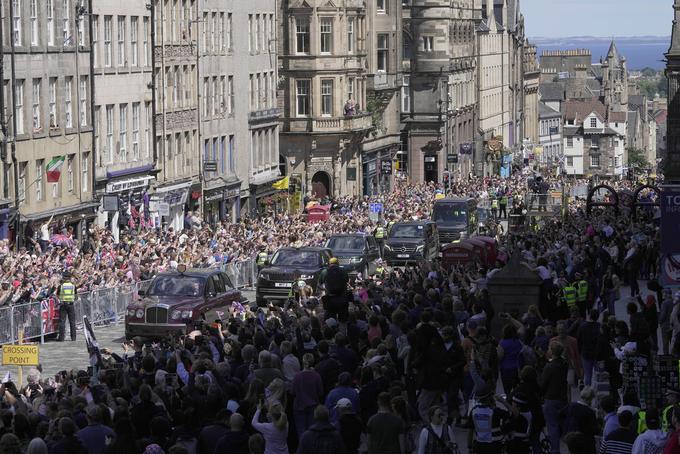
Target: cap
column 334, row 260
column 344, row 403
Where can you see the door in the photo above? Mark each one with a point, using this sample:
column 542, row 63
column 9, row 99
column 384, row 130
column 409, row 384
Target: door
column 431, row 169
column 217, row 300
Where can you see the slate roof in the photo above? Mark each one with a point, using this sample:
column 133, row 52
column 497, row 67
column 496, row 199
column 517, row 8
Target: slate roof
column 545, row 111
column 617, row 117
column 579, row 109
column 552, row 91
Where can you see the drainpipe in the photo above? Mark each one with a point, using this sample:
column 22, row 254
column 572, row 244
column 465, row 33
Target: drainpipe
column 92, row 103
column 152, row 8
column 15, row 164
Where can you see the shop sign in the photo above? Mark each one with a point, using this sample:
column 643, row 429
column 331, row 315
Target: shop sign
column 351, row 174
column 430, row 159
column 216, row 196
column 386, row 167
column 452, row 158
column 465, row 148
column 231, row 193
column 119, row 186
column 210, row 166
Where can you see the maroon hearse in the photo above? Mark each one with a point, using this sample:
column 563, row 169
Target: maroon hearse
column 180, row 301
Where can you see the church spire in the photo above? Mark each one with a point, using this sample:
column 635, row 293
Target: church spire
column 675, row 35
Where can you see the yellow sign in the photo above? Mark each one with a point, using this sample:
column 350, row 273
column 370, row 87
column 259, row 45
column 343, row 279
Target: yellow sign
column 538, row 150
column 439, row 196
column 20, row 355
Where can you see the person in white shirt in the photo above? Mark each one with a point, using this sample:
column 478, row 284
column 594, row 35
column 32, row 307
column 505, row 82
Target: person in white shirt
column 45, row 234
column 436, row 436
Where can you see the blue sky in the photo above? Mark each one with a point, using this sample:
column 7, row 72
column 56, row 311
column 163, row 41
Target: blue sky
column 558, row 18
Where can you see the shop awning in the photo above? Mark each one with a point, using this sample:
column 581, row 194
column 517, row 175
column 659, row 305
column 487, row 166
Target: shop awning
column 62, row 211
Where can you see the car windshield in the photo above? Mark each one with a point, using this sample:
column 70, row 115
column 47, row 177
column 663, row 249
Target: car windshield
column 177, row 286
column 407, row 231
column 346, row 243
column 453, row 213
column 296, row 258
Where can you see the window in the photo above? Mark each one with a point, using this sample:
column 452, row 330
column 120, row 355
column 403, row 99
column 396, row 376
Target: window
column 570, row 161
column 383, row 52
column 69, row 173
column 258, row 93
column 37, row 124
column 616, row 161
column 380, row 4
column 80, row 19
column 593, row 122
column 326, row 35
column 213, row 25
column 303, row 97
column 594, row 141
column 147, row 129
column 616, row 143
column 230, row 95
column 34, row 23
column 206, row 152
column 86, row 172
column 135, row 131
column 121, row 41
column 594, row 160
column 52, row 89
column 428, row 43
column 145, row 42
column 327, row 97
column 258, row 33
column 134, row 32
column 223, row 144
column 122, row 135
column 50, row 22
column 230, row 36
column 65, row 17
column 39, row 179
column 205, row 96
column 350, row 35
column 251, row 36
column 570, row 142
column 302, row 35
column 232, row 151
column 222, row 99
column 108, row 54
column 16, row 22
column 350, row 88
column 22, row 181
column 223, row 35
column 109, row 132
column 251, row 92
column 19, row 106
column 68, row 99
column 215, row 97
column 406, row 94
column 95, row 39
column 83, row 101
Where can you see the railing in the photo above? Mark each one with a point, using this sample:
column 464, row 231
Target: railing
column 38, row 319
column 549, row 203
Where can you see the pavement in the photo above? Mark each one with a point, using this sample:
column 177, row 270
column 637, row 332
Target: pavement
column 58, row 356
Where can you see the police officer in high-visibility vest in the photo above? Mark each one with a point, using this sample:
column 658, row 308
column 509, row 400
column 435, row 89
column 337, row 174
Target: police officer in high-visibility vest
column 581, row 294
column 262, row 258
column 672, row 399
column 379, row 235
column 503, row 207
column 569, row 295
column 486, row 421
column 494, row 208
column 67, row 298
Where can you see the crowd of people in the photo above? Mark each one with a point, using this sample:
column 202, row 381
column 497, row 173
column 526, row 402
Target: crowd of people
column 419, row 362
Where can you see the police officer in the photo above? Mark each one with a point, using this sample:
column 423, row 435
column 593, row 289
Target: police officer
column 262, row 257
column 67, row 297
column 503, row 207
column 581, row 294
column 494, row 208
column 569, row 295
column 672, row 399
column 487, row 421
column 380, row 237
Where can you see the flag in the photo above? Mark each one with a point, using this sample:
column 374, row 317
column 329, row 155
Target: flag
column 281, row 184
column 54, row 169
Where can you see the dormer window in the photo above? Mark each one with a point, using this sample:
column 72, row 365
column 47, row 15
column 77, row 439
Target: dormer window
column 593, row 122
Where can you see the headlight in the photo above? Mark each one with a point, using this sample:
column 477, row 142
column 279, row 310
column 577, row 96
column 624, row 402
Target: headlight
column 388, row 247
column 139, row 313
column 355, row 259
column 131, row 313
column 186, row 314
column 306, row 276
column 264, row 276
column 175, row 315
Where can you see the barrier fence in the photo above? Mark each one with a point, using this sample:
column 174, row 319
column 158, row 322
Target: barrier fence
column 106, row 306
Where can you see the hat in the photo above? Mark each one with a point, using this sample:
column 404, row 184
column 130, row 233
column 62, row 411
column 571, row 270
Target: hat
column 344, row 403
column 334, row 260
column 652, row 416
column 483, row 392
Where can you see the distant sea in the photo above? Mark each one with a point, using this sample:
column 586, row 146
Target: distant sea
column 641, row 52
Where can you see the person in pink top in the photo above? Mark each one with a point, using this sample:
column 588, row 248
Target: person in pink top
column 570, row 345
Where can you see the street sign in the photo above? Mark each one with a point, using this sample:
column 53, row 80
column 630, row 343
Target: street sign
column 210, row 166
column 554, row 130
column 163, row 209
column 670, row 241
column 386, row 167
column 452, row 158
column 375, row 207
column 20, row 355
column 465, row 148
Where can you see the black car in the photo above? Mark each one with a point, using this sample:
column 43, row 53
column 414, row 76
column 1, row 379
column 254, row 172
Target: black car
column 356, row 252
column 409, row 242
column 275, row 279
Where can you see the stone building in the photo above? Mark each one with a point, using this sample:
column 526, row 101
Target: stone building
column 550, row 136
column 174, row 39
column 671, row 159
column 124, row 158
column 531, row 82
column 439, row 96
column 323, row 52
column 48, row 114
column 239, row 113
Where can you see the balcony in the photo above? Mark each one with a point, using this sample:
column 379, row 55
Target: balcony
column 337, row 125
column 384, row 81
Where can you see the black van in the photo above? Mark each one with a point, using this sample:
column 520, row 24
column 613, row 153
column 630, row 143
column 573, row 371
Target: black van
column 409, row 242
column 455, row 216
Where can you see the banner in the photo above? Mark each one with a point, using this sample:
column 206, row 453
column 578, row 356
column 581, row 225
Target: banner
column 670, row 240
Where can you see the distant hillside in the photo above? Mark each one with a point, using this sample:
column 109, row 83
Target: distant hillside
column 640, row 51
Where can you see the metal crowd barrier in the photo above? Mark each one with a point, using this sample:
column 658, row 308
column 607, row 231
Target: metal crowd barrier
column 107, row 306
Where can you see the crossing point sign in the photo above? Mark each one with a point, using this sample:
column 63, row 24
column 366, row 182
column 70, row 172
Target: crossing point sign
column 20, row 355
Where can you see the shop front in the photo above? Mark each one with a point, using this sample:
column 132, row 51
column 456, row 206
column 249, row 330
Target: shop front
column 222, row 204
column 264, row 197
column 370, row 174
column 130, row 193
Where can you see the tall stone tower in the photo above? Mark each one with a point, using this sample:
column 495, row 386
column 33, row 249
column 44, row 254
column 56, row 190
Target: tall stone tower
column 671, row 166
column 615, row 80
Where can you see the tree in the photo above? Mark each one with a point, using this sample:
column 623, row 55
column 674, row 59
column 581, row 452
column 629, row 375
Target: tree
column 649, row 72
column 637, row 158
